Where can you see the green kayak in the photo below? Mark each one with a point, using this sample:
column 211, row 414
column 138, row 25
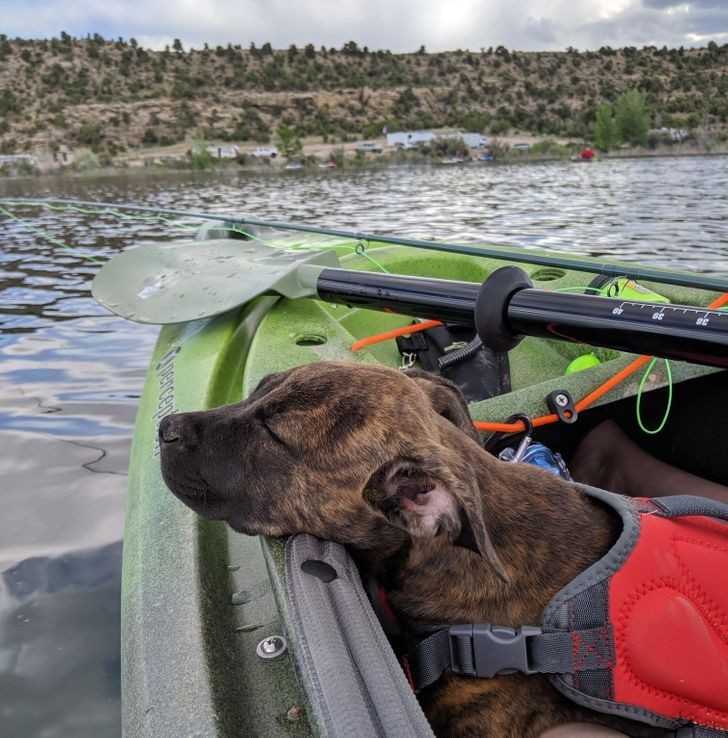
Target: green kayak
column 210, row 644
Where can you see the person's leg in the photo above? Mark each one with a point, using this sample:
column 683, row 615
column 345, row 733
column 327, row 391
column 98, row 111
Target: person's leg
column 609, row 459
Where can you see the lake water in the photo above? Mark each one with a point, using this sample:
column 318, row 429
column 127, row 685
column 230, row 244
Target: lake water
column 71, row 374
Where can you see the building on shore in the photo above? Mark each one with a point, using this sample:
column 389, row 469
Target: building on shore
column 16, row 164
column 410, row 139
column 676, row 135
column 475, row 140
column 265, row 152
column 12, row 159
column 223, row 152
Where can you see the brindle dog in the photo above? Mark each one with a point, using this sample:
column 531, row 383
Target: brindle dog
column 389, row 465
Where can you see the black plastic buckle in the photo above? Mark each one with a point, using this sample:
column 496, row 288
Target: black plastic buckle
column 494, row 649
column 413, row 343
column 561, row 403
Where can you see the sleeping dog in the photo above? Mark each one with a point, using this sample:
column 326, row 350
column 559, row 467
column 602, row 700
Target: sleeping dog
column 389, row 465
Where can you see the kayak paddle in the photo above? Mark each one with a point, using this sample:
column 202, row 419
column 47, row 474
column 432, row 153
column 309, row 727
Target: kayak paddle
column 182, row 281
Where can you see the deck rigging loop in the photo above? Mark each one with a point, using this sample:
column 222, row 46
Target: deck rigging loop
column 668, row 404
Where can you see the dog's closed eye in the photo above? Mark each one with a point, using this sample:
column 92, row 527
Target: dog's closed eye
column 268, row 424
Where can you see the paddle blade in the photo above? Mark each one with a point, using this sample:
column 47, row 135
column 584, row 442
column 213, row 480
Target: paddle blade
column 186, row 280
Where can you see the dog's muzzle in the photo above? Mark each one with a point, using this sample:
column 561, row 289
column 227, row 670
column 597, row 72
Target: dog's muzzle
column 178, row 440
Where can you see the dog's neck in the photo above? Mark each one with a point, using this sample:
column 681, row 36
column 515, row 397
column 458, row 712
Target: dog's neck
column 544, row 530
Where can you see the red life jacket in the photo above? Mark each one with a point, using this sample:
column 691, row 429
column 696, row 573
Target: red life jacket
column 642, row 633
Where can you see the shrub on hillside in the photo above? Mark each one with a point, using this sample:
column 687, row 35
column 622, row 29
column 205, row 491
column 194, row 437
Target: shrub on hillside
column 90, row 134
column 86, row 161
column 8, row 103
column 150, row 137
column 499, row 126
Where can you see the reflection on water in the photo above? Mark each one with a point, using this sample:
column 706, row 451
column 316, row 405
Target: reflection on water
column 70, row 373
column 59, row 657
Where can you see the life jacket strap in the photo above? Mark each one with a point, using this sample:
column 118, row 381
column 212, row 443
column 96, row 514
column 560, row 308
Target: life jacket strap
column 698, row 731
column 679, row 506
column 484, row 650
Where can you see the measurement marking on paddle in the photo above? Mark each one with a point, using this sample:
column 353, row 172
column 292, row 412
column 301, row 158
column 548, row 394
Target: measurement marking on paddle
column 703, row 317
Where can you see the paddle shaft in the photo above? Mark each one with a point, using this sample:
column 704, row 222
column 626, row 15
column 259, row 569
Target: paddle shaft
column 669, row 331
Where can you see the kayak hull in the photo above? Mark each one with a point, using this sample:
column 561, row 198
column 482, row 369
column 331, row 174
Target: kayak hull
column 197, row 598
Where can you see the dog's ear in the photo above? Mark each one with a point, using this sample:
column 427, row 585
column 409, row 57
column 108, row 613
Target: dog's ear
column 427, row 501
column 268, row 383
column 446, row 399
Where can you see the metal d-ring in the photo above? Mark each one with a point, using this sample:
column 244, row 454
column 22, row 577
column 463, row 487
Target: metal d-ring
column 526, row 440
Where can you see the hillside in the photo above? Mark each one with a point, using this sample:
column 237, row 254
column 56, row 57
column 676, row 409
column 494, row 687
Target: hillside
column 115, row 96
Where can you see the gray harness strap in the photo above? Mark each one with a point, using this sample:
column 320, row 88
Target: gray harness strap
column 487, row 650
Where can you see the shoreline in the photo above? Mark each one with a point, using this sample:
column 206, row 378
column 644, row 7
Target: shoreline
column 391, row 161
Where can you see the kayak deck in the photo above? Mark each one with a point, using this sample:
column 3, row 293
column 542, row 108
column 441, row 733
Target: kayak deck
column 197, row 597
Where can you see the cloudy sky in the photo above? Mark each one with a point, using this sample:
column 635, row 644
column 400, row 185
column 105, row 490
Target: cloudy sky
column 399, row 25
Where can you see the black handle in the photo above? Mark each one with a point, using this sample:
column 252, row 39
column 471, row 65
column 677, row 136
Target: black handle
column 505, row 308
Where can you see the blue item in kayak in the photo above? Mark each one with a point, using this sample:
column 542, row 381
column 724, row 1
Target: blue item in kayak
column 541, row 456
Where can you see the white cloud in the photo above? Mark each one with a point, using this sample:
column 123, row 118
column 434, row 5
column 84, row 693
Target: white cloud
column 401, row 25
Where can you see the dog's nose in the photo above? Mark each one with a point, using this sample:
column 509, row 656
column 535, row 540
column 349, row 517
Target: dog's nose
column 169, row 431
column 173, row 429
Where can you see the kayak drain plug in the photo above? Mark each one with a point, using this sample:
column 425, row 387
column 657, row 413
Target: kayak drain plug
column 272, row 647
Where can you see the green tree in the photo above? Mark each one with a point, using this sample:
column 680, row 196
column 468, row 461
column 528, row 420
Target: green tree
column 405, row 103
column 90, row 134
column 351, row 48
column 200, row 157
column 86, row 160
column 8, row 103
column 474, row 121
column 632, row 118
column 499, row 126
column 288, row 141
column 605, row 128
column 5, row 47
column 150, row 137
